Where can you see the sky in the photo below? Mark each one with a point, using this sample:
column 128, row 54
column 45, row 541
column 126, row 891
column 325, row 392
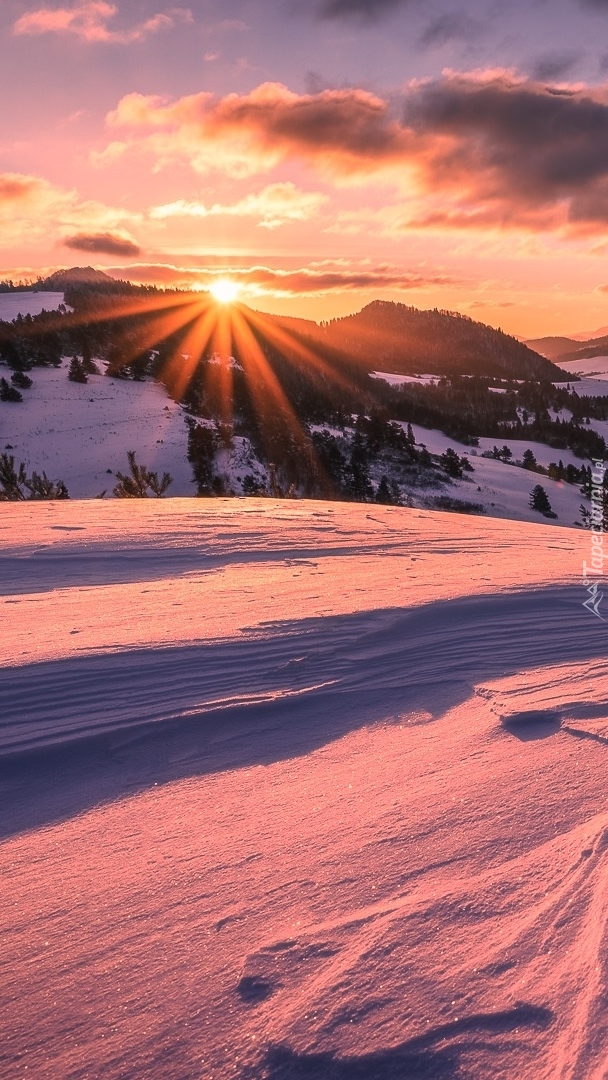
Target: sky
column 320, row 155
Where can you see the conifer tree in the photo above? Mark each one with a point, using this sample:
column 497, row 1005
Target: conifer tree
column 135, row 485
column 21, row 380
column 12, row 480
column 539, row 500
column 360, row 483
column 16, row 485
column 40, row 487
column 8, row 392
column 383, row 494
column 452, row 463
column 201, row 453
column 76, row 372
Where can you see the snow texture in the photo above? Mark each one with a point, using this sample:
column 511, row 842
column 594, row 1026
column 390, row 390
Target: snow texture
column 80, row 432
column 300, row 790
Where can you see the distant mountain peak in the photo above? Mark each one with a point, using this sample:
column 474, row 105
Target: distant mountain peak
column 76, row 275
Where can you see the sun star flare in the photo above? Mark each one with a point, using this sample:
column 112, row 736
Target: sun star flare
column 224, row 291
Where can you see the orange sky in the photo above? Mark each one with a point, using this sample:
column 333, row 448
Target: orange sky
column 443, row 157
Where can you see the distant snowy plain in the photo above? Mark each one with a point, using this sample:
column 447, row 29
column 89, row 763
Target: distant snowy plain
column 300, row 790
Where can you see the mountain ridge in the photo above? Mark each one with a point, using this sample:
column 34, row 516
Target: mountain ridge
column 61, row 280
column 411, row 340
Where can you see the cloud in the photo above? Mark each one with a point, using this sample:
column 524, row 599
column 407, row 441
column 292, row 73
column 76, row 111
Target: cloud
column 88, row 21
column 451, row 26
column 491, row 304
column 364, row 10
column 513, row 151
column 31, row 208
column 484, row 149
column 107, row 243
column 348, row 132
column 552, row 66
column 233, row 24
column 276, row 205
column 312, row 280
column 16, row 188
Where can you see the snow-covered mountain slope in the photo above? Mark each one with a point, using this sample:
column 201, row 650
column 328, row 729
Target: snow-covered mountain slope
column 505, row 488
column 76, row 432
column 80, row 433
column 497, row 489
column 305, row 790
column 13, row 304
column 590, row 366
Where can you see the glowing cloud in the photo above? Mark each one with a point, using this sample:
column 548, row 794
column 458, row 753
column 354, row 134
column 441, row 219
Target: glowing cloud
column 316, row 279
column 31, row 207
column 486, row 149
column 346, row 134
column 278, row 204
column 88, row 21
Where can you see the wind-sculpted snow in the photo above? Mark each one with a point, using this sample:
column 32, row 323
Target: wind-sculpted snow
column 300, row 791
column 323, row 665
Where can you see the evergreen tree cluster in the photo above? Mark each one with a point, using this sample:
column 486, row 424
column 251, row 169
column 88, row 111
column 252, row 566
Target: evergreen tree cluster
column 17, row 486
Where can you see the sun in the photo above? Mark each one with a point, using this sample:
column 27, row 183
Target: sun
column 224, row 291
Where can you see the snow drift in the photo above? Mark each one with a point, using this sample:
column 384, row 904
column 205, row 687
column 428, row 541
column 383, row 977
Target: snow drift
column 300, row 790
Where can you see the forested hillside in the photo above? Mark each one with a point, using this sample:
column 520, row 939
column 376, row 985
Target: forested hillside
column 393, row 337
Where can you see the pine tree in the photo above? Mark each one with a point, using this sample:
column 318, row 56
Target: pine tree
column 585, row 513
column 40, row 487
column 360, row 483
column 451, row 462
column 275, row 488
column 383, row 494
column 16, row 485
column 76, row 372
column 12, row 480
column 201, row 454
column 158, row 487
column 135, row 485
column 539, row 500
column 8, row 392
column 21, row 380
column 586, row 481
column 87, row 363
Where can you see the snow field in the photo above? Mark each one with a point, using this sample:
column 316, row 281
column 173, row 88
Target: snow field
column 304, row 789
column 27, row 303
column 75, row 432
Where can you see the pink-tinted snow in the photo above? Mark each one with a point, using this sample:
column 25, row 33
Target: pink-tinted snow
column 302, row 790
